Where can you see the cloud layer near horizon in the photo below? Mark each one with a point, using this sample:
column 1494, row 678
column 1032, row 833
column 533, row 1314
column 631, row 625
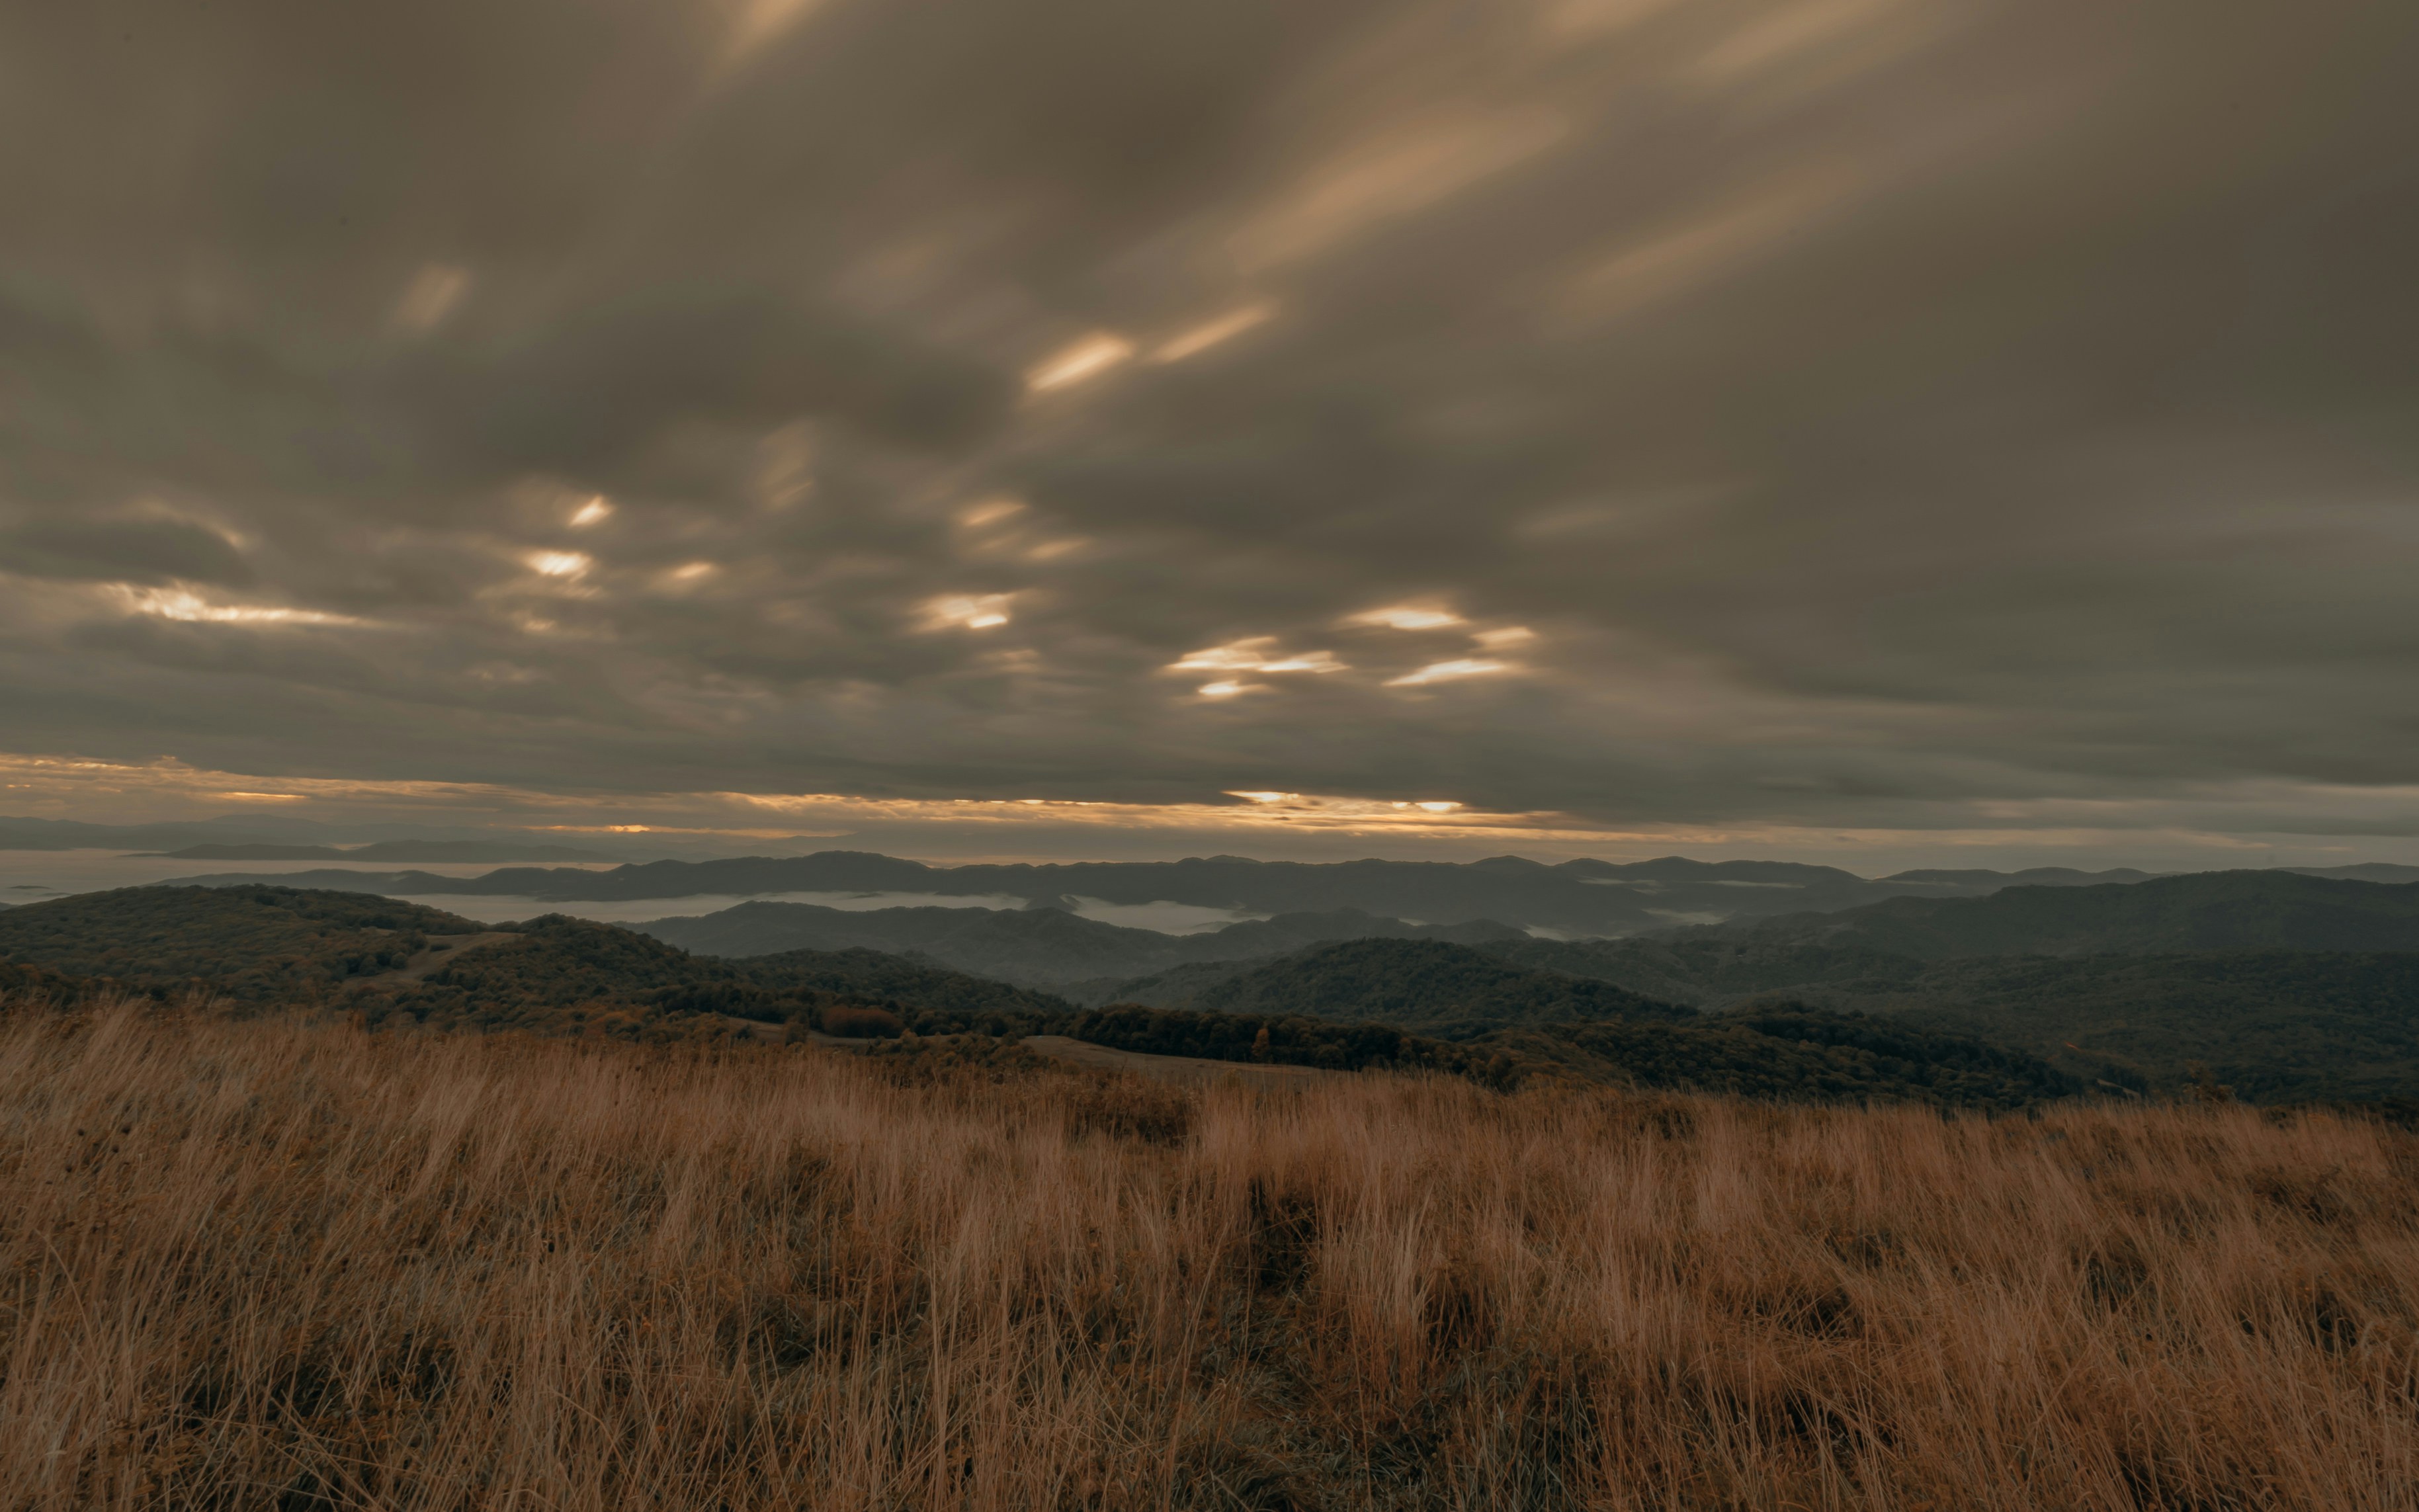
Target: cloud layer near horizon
column 1843, row 413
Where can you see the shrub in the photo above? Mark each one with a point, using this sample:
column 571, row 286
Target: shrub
column 851, row 1021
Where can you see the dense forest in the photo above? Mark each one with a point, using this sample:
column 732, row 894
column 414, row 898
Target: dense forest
column 1433, row 987
column 2276, row 1026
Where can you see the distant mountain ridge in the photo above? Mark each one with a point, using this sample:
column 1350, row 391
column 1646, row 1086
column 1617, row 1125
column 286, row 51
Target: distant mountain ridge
column 2197, row 912
column 474, row 851
column 1580, row 897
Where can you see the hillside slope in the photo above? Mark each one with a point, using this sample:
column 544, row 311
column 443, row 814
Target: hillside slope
column 573, row 975
column 2280, row 1026
column 1428, row 986
column 254, row 943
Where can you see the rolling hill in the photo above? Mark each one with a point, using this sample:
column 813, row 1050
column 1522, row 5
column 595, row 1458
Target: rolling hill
column 1428, row 986
column 1038, row 947
column 2276, row 1026
column 256, row 943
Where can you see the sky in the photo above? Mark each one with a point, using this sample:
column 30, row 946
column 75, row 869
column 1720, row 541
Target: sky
column 1884, row 432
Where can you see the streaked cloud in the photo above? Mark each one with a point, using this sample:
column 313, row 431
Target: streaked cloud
column 193, row 608
column 565, row 565
column 1257, row 654
column 1406, row 168
column 431, row 296
column 1213, row 332
column 1447, row 672
column 755, row 22
column 1674, row 258
column 1403, row 617
column 967, row 612
column 1086, row 358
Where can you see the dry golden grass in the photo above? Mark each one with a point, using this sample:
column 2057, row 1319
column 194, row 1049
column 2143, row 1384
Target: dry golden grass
column 270, row 1264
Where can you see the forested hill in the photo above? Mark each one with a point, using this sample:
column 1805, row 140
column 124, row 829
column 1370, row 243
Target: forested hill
column 2202, row 912
column 2274, row 1025
column 255, row 943
column 1430, row 986
column 573, row 974
column 1037, row 947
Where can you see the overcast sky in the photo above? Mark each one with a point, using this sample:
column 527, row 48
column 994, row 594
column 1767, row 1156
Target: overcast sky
column 1841, row 428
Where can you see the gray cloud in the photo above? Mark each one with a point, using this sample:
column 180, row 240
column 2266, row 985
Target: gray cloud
column 1881, row 416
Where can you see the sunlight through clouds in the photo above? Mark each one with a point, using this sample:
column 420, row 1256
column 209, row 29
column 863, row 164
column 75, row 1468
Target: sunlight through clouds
column 755, row 22
column 1253, row 655
column 430, row 297
column 565, row 565
column 1088, row 357
column 1403, row 617
column 966, row 612
column 1211, row 333
column 1446, row 671
column 179, row 604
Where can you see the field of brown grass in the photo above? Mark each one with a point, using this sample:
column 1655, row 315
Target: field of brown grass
column 273, row 1264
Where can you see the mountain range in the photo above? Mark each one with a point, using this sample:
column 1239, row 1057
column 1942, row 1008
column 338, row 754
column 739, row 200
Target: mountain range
column 393, row 967
column 2280, row 986
column 1572, row 898
column 474, row 851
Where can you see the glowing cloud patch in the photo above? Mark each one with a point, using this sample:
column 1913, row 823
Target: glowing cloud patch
column 192, row 608
column 966, row 612
column 1088, row 357
column 758, row 21
column 430, row 297
column 1445, row 672
column 1403, row 617
column 1227, row 688
column 1211, row 333
column 593, row 512
column 1511, row 635
column 690, row 572
column 1253, row 655
column 989, row 512
column 559, row 563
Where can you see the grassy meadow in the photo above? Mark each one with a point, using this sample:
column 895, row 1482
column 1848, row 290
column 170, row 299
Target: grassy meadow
column 290, row 1263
